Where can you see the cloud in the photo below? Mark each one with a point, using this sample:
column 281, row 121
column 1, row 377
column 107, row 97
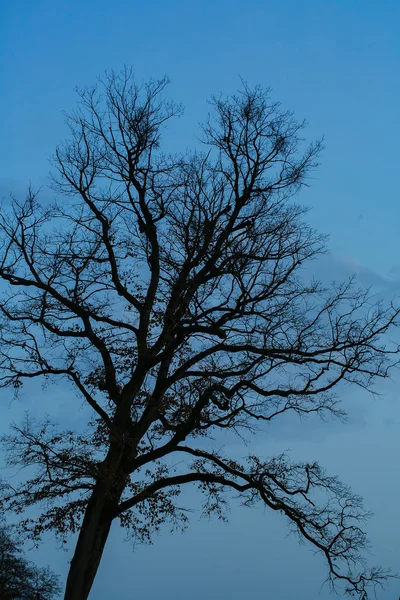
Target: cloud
column 335, row 267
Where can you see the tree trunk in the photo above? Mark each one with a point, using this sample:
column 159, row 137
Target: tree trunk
column 101, row 507
column 92, row 539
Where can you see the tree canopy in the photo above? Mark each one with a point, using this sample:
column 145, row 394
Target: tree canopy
column 170, row 291
column 20, row 579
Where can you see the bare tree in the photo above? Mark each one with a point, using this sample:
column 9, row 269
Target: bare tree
column 169, row 290
column 19, row 578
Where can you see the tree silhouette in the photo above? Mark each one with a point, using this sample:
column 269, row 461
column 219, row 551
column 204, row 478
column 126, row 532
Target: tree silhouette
column 170, row 291
column 19, row 578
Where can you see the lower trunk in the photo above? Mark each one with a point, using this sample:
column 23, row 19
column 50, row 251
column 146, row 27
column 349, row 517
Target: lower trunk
column 102, row 504
column 91, row 541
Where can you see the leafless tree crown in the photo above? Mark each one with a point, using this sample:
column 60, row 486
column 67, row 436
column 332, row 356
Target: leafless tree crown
column 169, row 291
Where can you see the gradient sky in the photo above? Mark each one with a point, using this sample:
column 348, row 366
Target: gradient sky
column 336, row 63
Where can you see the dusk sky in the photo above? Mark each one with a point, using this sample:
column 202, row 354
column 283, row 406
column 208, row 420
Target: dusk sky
column 335, row 63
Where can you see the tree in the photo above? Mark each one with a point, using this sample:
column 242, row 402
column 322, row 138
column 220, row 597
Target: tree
column 169, row 290
column 20, row 579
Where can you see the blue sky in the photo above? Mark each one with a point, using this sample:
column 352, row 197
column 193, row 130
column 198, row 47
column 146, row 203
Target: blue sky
column 335, row 63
